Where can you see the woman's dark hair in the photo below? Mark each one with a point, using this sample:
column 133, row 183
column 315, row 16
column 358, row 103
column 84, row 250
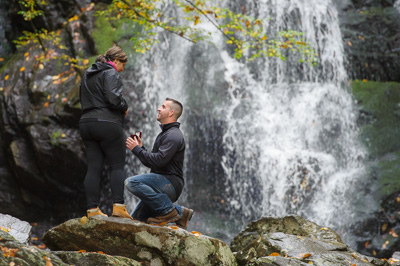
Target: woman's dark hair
column 113, row 53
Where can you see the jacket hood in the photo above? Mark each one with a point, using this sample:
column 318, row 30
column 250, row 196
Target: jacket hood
column 98, row 67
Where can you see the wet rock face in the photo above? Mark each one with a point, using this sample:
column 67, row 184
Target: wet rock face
column 371, row 35
column 43, row 163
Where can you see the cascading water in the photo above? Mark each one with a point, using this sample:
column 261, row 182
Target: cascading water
column 266, row 138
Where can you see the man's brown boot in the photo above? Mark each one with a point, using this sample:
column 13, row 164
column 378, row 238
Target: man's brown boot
column 95, row 211
column 166, row 218
column 119, row 210
column 186, row 217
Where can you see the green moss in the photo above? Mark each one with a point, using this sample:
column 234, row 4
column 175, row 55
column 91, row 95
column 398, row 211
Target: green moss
column 103, row 35
column 381, row 102
column 107, row 33
column 389, row 171
column 380, row 128
column 55, row 137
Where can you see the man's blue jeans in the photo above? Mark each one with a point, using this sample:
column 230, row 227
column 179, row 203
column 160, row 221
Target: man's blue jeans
column 156, row 194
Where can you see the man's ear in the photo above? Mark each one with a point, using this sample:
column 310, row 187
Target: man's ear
column 171, row 113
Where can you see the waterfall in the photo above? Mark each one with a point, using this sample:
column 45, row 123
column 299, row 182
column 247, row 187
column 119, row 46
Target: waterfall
column 267, row 137
column 397, row 5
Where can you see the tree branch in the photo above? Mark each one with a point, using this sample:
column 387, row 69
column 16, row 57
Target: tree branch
column 216, row 25
column 154, row 22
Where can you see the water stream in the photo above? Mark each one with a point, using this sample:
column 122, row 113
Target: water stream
column 266, row 138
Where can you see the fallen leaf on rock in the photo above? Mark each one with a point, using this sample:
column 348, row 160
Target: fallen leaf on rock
column 393, row 233
column 274, row 254
column 48, row 261
column 46, row 104
column 304, row 255
column 81, row 251
column 174, row 227
column 3, row 229
column 197, row 234
column 43, row 246
column 101, row 252
column 84, row 220
column 384, row 227
column 324, row 228
column 35, row 238
column 22, row 69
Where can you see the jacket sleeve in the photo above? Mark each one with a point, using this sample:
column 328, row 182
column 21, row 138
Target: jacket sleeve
column 112, row 91
column 162, row 157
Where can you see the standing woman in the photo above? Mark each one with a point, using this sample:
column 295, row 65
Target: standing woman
column 100, row 126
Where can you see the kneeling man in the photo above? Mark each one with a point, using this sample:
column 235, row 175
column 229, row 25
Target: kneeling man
column 161, row 187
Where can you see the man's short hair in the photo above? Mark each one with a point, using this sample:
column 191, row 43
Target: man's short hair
column 176, row 106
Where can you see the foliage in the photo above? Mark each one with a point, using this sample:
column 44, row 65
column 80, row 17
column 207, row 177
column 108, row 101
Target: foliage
column 47, row 40
column 244, row 32
column 192, row 23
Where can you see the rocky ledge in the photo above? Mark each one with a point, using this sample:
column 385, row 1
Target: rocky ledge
column 289, row 240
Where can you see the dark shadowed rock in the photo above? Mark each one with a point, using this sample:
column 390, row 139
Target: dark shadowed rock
column 153, row 245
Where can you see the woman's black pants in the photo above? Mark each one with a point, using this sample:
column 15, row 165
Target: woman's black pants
column 104, row 143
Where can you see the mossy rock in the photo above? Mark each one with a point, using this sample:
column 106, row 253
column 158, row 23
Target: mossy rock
column 380, row 122
column 379, row 104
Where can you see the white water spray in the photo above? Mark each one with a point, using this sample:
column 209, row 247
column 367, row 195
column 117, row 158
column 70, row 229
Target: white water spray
column 290, row 138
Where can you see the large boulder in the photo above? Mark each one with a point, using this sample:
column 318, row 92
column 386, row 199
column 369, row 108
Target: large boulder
column 150, row 244
column 292, row 240
column 15, row 253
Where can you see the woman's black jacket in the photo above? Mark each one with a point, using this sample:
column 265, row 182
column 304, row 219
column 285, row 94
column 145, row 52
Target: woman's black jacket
column 101, row 94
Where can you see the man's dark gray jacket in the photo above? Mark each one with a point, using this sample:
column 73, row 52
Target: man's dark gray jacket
column 166, row 157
